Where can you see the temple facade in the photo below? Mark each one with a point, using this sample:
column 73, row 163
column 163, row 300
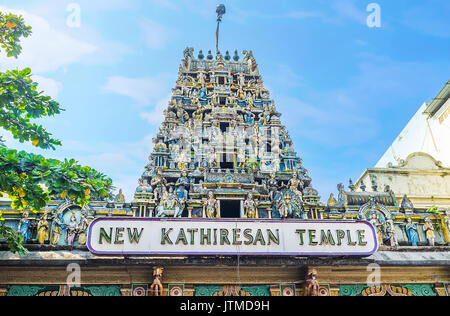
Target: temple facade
column 222, row 158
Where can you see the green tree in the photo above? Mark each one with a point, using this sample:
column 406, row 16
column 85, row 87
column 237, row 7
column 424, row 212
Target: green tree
column 31, row 181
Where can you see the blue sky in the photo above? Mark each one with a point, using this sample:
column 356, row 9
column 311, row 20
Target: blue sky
column 345, row 90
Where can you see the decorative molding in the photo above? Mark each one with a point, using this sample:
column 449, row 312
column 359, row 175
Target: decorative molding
column 387, row 290
column 3, row 292
column 230, row 290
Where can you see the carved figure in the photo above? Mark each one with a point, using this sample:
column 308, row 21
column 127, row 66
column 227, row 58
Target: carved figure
column 272, row 186
column 390, row 233
column 429, row 231
column 24, row 227
column 57, row 227
column 72, row 230
column 411, row 232
column 157, row 288
column 158, row 184
column 211, row 207
column 181, row 185
column 170, row 205
column 43, row 229
column 82, row 229
column 295, row 184
column 312, row 285
column 250, row 207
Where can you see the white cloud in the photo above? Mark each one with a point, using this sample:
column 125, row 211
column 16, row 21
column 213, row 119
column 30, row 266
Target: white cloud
column 156, row 117
column 142, row 90
column 331, row 125
column 47, row 49
column 108, row 160
column 285, row 77
column 347, row 9
column 156, row 36
column 49, row 86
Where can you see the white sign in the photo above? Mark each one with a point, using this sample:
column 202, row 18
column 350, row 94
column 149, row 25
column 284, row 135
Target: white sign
column 185, row 237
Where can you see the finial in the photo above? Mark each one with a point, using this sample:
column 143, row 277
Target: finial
column 374, row 185
column 210, row 56
column 200, row 55
column 221, row 10
column 227, row 56
column 363, row 186
column 236, row 56
column 351, row 186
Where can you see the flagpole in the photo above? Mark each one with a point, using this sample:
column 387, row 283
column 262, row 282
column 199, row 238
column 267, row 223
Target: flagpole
column 221, row 10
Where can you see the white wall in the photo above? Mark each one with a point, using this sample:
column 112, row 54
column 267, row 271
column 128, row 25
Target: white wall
column 422, row 134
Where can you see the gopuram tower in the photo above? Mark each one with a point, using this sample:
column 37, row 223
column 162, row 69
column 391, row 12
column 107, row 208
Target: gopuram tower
column 222, row 151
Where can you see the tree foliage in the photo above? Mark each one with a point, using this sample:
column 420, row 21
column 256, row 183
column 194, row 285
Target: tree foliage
column 31, row 181
column 12, row 28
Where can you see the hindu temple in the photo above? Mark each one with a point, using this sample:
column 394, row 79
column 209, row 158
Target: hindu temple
column 223, row 157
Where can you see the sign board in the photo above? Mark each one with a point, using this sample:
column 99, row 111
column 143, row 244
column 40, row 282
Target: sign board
column 190, row 237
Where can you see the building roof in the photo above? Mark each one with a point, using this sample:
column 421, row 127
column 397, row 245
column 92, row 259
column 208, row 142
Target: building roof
column 427, row 132
column 439, row 100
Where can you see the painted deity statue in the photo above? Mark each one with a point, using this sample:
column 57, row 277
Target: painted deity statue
column 375, row 221
column 248, row 116
column 203, row 94
column 211, row 207
column 24, row 227
column 241, row 80
column 43, row 229
column 72, row 230
column 411, row 232
column 241, row 95
column 312, row 285
column 265, row 117
column 241, row 161
column 250, row 100
column 272, row 185
column 157, row 288
column 390, row 233
column 256, row 140
column 250, row 207
column 170, row 205
column 285, row 207
column 294, row 184
column 202, row 78
column 198, row 115
column 182, row 184
column 429, row 231
column 195, row 98
column 57, row 227
column 158, row 184
column 182, row 115
column 447, row 222
column 84, row 224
